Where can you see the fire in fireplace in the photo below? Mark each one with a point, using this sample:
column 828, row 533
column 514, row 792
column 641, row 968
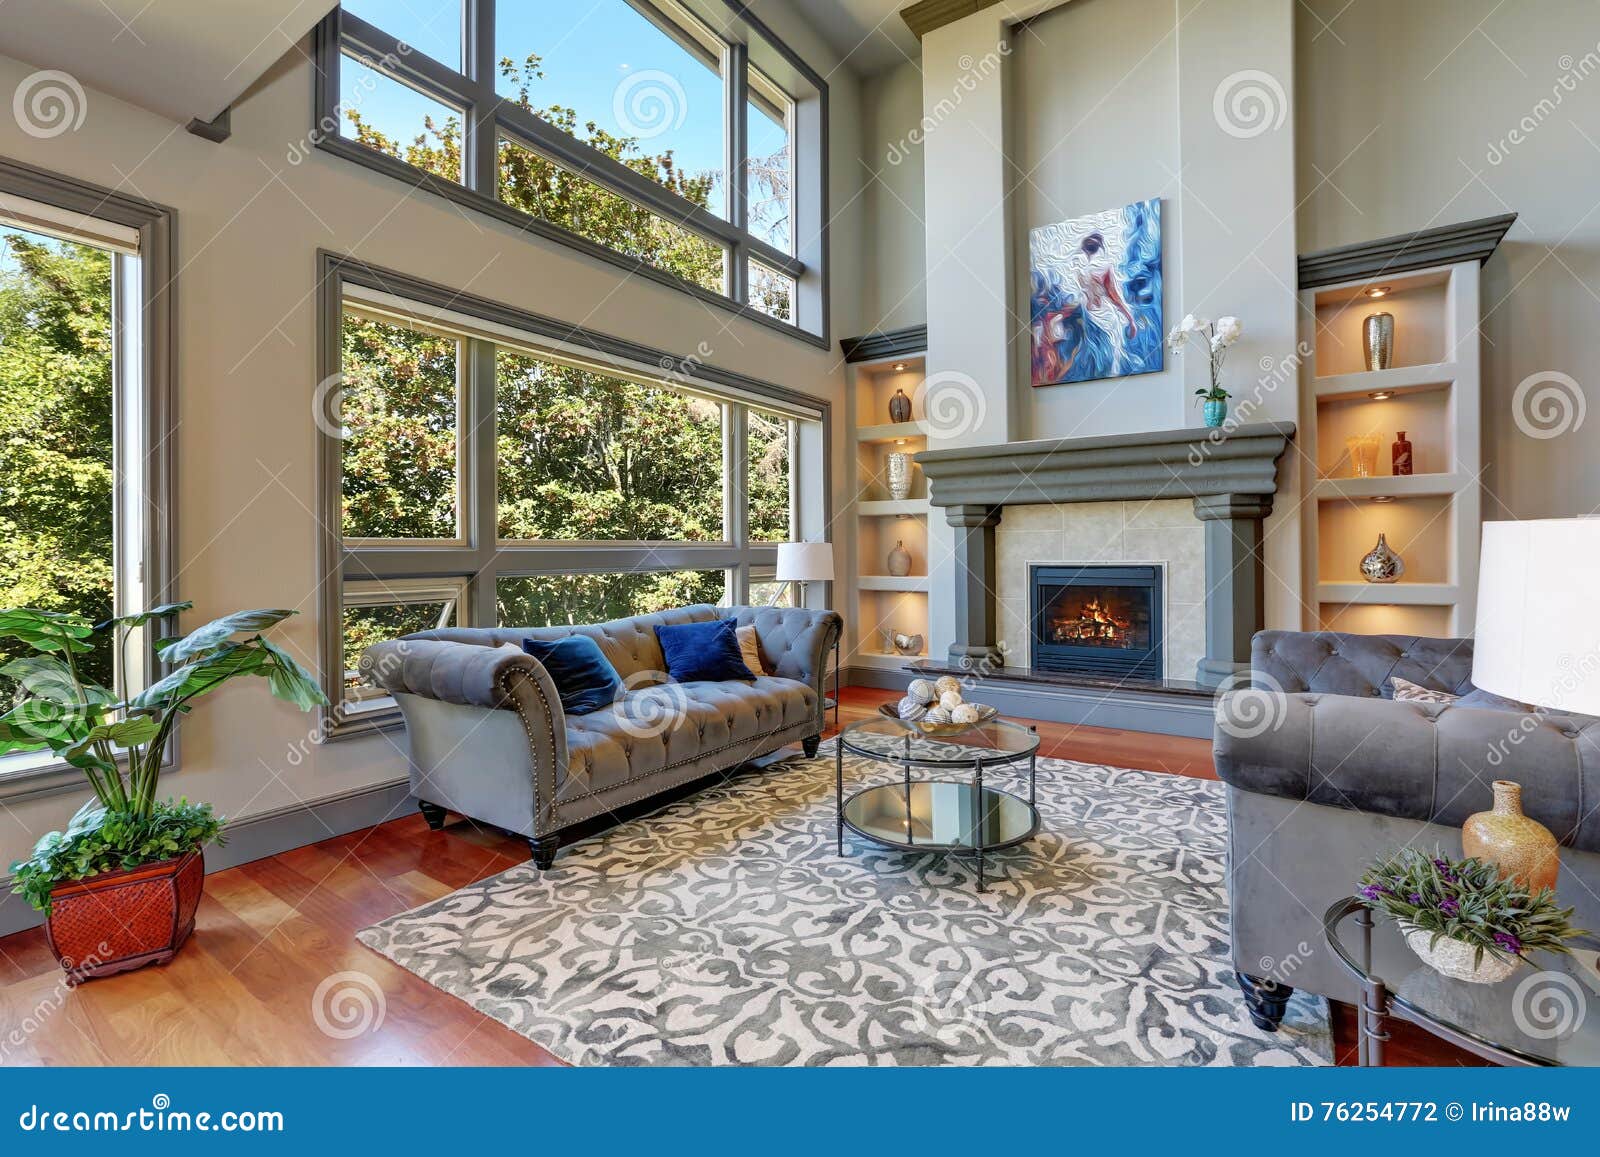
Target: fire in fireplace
column 1099, row 620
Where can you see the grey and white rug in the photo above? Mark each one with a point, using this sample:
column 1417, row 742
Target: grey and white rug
column 725, row 929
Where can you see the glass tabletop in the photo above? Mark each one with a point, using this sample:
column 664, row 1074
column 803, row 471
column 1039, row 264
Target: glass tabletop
column 1544, row 1014
column 995, row 741
column 936, row 815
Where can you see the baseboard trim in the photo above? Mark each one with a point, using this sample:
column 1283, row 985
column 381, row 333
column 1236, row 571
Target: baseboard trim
column 268, row 833
column 878, row 678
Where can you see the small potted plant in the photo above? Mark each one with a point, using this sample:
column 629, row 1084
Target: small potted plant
column 1462, row 918
column 120, row 886
column 1217, row 337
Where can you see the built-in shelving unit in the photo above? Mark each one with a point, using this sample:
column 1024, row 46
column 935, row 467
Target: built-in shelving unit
column 1432, row 391
column 885, row 602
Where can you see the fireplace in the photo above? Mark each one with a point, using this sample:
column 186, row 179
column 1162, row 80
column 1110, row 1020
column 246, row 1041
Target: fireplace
column 1097, row 620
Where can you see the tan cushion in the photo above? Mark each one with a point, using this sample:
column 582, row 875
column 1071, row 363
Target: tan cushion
column 750, row 648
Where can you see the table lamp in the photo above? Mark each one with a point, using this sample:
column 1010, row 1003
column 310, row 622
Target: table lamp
column 1538, row 633
column 802, row 562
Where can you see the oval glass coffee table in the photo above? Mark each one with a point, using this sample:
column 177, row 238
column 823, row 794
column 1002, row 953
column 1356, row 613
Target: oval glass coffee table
column 1547, row 1014
column 933, row 814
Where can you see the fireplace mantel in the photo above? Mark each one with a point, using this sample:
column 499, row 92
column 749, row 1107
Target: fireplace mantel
column 1231, row 474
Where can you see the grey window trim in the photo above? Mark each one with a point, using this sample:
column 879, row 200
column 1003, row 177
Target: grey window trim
column 484, row 559
column 486, row 116
column 158, row 263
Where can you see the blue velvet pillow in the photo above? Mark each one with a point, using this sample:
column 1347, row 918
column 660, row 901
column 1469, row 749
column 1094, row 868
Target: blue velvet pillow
column 584, row 677
column 709, row 651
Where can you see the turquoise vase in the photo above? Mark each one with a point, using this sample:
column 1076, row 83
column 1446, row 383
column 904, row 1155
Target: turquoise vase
column 1216, row 413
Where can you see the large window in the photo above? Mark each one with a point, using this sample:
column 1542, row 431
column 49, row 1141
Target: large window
column 490, row 468
column 677, row 138
column 84, row 422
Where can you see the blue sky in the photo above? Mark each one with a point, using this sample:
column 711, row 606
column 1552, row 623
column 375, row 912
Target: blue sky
column 590, row 49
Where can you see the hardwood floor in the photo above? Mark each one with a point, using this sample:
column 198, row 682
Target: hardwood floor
column 244, row 989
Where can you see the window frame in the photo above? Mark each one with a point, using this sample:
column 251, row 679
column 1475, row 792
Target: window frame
column 451, row 591
column 487, row 116
column 145, row 354
column 484, row 558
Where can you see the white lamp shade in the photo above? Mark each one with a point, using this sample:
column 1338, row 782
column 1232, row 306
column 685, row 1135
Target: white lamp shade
column 1538, row 637
column 805, row 562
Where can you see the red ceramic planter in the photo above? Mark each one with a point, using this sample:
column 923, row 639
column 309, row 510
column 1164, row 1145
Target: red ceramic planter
column 123, row 920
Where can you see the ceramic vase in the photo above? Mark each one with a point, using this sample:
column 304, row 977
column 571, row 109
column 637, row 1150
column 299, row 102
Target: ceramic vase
column 1377, row 333
column 1401, row 452
column 1517, row 845
column 899, row 467
column 1216, row 413
column 1382, row 565
column 899, row 560
column 1457, row 959
column 899, row 407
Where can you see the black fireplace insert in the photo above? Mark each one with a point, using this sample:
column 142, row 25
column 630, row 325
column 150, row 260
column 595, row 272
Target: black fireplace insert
column 1098, row 620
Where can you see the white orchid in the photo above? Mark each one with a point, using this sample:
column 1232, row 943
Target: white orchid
column 1216, row 337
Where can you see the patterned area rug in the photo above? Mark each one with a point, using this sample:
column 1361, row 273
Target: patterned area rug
column 725, row 929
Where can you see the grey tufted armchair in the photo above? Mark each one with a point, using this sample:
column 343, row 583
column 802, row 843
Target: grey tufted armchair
column 488, row 738
column 1326, row 772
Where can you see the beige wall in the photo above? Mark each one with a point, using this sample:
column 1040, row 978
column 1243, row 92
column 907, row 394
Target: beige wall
column 893, row 210
column 249, row 225
column 1435, row 111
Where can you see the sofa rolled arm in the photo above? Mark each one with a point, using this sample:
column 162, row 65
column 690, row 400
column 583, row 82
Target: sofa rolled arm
column 795, row 641
column 1421, row 761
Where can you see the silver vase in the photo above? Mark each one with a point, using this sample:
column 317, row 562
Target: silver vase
column 899, row 466
column 899, row 560
column 1377, row 331
column 1382, row 565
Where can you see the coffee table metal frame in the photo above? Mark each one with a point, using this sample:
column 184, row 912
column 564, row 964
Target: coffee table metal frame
column 980, row 762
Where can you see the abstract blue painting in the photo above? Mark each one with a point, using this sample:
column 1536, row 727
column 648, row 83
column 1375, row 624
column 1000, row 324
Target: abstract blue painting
column 1095, row 289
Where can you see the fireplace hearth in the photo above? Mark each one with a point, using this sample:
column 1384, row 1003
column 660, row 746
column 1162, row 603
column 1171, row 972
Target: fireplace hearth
column 1098, row 620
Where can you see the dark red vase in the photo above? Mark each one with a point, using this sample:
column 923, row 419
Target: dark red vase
column 1402, row 455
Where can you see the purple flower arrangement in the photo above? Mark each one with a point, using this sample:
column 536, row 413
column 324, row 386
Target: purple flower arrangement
column 1466, row 900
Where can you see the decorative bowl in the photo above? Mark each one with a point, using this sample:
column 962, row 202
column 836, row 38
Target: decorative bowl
column 1459, row 960
column 941, row 730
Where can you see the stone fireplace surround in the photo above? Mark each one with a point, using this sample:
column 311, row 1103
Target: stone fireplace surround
column 1229, row 477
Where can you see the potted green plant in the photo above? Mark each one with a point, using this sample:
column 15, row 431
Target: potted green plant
column 1216, row 336
column 120, row 886
column 1462, row 918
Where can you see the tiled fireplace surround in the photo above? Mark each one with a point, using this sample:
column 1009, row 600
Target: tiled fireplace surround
column 1194, row 500
column 1161, row 531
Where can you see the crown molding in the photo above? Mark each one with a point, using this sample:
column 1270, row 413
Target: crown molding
column 1445, row 245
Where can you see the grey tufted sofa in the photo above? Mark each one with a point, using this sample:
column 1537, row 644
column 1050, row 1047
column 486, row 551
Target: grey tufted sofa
column 488, row 738
column 1325, row 772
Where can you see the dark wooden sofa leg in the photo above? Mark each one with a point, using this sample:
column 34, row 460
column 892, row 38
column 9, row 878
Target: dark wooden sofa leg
column 433, row 813
column 1267, row 1000
column 544, row 850
column 810, row 744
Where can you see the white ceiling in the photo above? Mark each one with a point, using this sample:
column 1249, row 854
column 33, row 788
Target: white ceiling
column 868, row 34
column 180, row 58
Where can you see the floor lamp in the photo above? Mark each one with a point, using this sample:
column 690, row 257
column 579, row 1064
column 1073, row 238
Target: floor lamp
column 800, row 563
